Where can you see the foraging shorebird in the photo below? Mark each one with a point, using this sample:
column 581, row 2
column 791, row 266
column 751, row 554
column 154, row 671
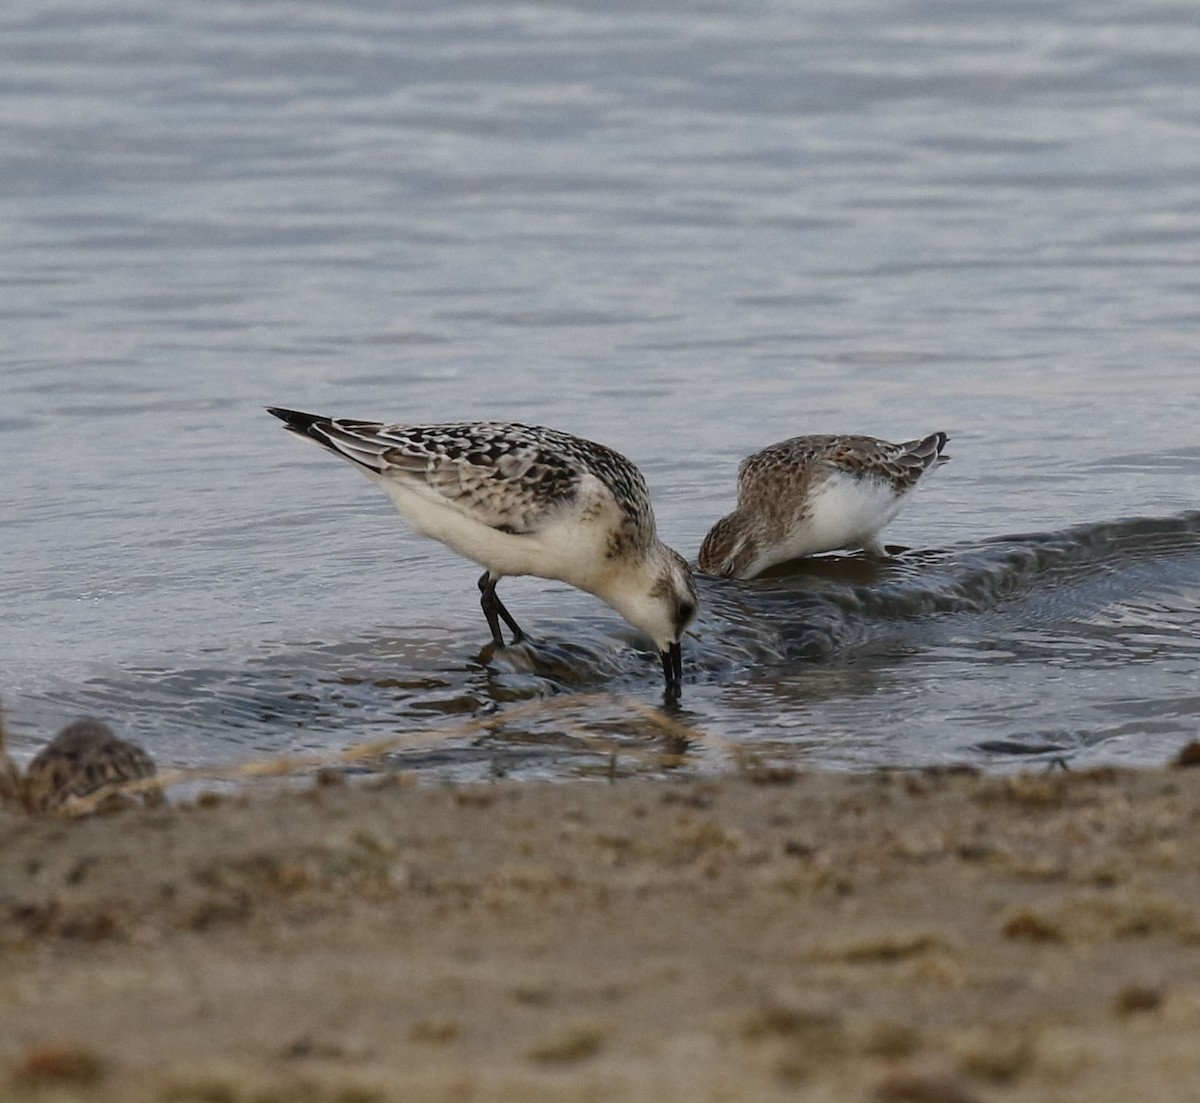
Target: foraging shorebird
column 83, row 758
column 815, row 494
column 523, row 500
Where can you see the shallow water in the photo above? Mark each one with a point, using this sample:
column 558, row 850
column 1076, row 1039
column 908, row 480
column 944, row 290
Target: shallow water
column 688, row 234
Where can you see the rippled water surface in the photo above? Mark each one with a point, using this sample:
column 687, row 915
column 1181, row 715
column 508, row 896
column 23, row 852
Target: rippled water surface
column 686, row 231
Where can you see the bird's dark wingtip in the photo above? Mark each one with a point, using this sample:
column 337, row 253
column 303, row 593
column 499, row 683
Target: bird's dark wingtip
column 302, row 424
column 929, row 449
column 294, row 419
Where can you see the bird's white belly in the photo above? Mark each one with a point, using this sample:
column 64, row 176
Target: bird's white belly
column 843, row 512
column 568, row 550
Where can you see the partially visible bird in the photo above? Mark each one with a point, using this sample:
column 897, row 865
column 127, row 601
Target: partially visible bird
column 815, row 494
column 82, row 759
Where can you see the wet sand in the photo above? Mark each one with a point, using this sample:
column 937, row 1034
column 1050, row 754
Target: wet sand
column 937, row 938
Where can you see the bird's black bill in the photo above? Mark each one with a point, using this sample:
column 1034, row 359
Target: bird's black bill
column 672, row 660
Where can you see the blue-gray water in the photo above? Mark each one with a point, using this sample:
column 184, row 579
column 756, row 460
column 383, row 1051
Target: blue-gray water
column 686, row 231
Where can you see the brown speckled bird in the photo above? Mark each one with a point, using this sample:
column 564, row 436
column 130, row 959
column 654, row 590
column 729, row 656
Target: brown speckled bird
column 815, row 494
column 82, row 759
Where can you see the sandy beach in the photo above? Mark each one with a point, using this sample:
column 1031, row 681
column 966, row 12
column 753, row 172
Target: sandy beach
column 932, row 937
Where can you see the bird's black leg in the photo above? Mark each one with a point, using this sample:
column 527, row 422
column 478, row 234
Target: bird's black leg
column 493, row 609
column 517, row 631
column 489, row 601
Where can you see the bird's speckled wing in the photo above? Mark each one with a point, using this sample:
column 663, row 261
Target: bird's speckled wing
column 512, row 477
column 802, row 461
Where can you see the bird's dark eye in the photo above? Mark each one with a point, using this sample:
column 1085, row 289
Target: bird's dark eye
column 684, row 613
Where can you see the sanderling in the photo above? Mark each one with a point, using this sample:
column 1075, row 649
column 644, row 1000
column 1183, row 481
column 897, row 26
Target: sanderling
column 85, row 757
column 815, row 494
column 523, row 500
